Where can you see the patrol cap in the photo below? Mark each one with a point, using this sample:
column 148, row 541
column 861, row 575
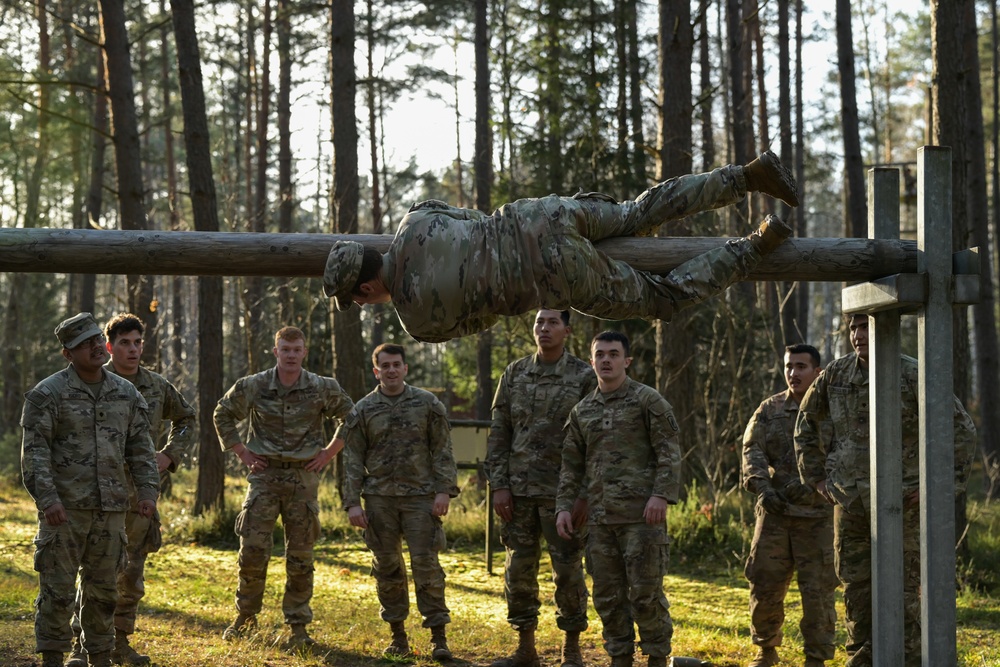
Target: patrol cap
column 343, row 266
column 77, row 329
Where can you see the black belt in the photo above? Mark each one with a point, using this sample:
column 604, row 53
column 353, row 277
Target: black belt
column 276, row 463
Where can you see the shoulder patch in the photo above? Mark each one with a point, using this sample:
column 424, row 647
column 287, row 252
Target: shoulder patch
column 437, row 407
column 39, row 396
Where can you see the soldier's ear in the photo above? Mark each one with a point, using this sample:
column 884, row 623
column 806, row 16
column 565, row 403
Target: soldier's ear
column 66, row 354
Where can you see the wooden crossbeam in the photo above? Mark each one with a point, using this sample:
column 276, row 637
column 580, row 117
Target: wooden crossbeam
column 40, row 250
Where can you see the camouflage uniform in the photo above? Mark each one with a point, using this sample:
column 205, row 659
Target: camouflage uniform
column 453, row 272
column 530, row 407
column 79, row 450
column 800, row 538
column 285, row 425
column 840, row 396
column 165, row 403
column 624, row 445
column 397, row 454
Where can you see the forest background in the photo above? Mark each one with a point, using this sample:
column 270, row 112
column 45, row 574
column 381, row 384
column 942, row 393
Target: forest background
column 299, row 117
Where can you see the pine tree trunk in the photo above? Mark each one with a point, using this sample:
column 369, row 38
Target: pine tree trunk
column 211, row 462
column 855, row 192
column 675, row 345
column 286, row 201
column 483, row 169
column 348, row 343
column 985, row 329
column 14, row 356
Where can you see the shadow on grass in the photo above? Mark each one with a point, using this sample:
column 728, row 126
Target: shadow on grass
column 978, row 617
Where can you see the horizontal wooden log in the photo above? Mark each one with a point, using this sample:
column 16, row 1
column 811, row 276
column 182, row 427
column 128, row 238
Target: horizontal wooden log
column 304, row 255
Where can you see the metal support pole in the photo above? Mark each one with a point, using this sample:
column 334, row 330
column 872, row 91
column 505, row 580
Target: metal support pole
column 886, row 438
column 937, row 436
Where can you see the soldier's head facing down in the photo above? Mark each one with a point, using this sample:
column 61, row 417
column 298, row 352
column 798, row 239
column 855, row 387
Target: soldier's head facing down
column 802, row 367
column 290, row 351
column 390, row 368
column 83, row 345
column 124, row 333
column 353, row 274
column 609, row 355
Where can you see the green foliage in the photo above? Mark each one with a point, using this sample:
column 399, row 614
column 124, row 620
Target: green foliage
column 10, row 454
column 702, row 529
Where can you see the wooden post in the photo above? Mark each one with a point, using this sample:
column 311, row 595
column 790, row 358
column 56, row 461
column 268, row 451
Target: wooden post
column 942, row 281
column 937, row 434
column 886, row 437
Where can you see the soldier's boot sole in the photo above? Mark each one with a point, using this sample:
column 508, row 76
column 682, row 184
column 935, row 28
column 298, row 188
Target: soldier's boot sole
column 766, row 174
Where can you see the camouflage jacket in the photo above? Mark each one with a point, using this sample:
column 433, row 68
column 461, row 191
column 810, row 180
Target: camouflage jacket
column 530, row 408
column 840, row 395
column 165, row 404
column 453, row 272
column 623, row 446
column 284, row 423
column 769, row 457
column 398, row 446
column 78, row 450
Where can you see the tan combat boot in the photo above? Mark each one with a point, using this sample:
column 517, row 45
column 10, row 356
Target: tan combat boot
column 400, row 645
column 300, row 638
column 77, row 658
column 571, row 656
column 52, row 659
column 766, row 174
column 771, row 233
column 439, row 642
column 525, row 655
column 124, row 654
column 241, row 627
column 767, row 656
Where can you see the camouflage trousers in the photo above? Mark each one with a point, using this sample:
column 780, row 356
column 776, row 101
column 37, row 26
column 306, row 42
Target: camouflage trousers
column 781, row 546
column 291, row 494
column 627, row 563
column 611, row 289
column 91, row 543
column 390, row 519
column 131, row 579
column 852, row 540
column 534, row 518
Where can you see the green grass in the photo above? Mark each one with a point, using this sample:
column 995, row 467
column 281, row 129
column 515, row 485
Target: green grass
column 191, row 581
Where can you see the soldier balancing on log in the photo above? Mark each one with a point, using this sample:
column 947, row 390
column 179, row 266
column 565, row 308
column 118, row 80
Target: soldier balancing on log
column 452, row 272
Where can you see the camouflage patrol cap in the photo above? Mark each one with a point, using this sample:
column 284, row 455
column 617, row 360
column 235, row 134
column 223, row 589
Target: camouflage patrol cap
column 343, row 266
column 77, row 329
